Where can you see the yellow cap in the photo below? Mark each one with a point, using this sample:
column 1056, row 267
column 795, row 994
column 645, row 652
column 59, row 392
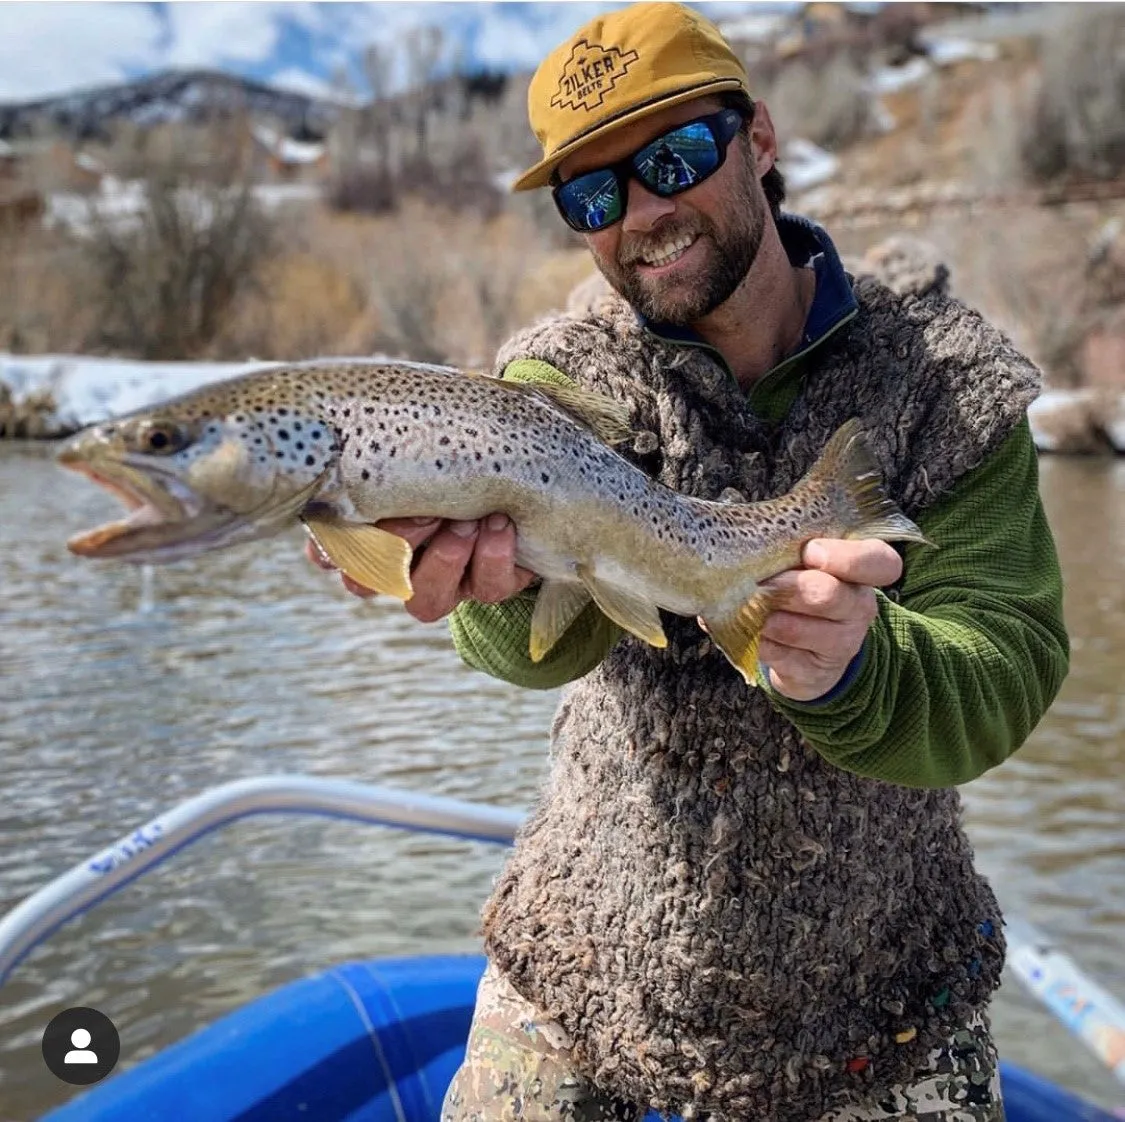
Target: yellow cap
column 621, row 67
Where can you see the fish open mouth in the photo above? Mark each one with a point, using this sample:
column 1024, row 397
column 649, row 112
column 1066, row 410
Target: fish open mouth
column 151, row 503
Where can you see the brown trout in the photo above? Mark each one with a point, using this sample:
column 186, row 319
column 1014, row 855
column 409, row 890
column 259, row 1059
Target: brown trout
column 340, row 445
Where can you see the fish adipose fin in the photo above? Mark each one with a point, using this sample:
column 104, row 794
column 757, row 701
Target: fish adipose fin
column 372, row 557
column 636, row 615
column 738, row 635
column 557, row 606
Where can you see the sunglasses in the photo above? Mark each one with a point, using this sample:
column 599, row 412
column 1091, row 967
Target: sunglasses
column 676, row 161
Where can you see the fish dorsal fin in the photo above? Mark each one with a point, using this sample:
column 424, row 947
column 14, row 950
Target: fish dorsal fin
column 738, row 635
column 607, row 419
column 556, row 607
column 634, row 613
column 372, row 557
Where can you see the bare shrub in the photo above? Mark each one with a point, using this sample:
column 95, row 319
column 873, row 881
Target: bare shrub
column 449, row 287
column 163, row 276
column 829, row 105
column 1076, row 119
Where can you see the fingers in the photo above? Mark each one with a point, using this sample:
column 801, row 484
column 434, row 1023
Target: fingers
column 828, row 641
column 809, row 592
column 438, row 575
column 873, row 563
column 493, row 574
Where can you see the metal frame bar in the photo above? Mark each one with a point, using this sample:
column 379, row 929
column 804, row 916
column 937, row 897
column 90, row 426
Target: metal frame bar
column 109, row 870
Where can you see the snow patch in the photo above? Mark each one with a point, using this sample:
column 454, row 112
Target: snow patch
column 807, row 165
column 945, row 52
column 87, row 390
column 891, row 79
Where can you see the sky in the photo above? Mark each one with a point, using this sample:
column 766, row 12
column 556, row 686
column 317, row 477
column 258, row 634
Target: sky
column 51, row 48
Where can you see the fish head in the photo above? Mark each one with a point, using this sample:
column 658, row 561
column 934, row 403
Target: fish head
column 199, row 473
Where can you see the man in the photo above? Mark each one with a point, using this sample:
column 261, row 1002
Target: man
column 754, row 902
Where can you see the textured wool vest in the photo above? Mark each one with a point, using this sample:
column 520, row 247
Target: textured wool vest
column 721, row 920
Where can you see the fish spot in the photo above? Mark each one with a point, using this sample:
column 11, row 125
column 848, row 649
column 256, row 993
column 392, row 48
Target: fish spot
column 365, row 474
column 310, row 460
column 282, row 434
column 438, row 464
column 545, row 477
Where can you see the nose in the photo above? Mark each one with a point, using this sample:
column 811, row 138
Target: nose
column 644, row 209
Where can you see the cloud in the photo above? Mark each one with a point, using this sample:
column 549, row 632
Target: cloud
column 50, row 48
column 207, row 33
column 47, row 49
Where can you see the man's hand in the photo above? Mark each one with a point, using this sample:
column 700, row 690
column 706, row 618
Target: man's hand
column 826, row 612
column 459, row 561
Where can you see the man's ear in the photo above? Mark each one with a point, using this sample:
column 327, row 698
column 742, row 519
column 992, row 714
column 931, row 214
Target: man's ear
column 763, row 139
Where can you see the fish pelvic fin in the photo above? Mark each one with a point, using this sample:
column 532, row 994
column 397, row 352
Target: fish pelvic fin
column 739, row 633
column 557, row 606
column 847, row 463
column 372, row 557
column 635, row 614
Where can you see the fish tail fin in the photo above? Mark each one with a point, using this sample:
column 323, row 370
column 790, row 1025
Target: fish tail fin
column 848, row 470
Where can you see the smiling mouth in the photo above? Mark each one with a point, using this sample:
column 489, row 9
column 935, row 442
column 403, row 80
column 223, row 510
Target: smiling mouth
column 671, row 251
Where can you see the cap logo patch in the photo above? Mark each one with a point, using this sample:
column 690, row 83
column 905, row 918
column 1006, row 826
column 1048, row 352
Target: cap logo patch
column 590, row 73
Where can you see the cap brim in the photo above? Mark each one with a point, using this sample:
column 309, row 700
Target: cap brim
column 540, row 174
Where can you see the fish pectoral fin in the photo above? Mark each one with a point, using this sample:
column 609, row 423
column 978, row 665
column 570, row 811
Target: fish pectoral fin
column 557, row 606
column 637, row 615
column 372, row 557
column 738, row 634
column 607, row 419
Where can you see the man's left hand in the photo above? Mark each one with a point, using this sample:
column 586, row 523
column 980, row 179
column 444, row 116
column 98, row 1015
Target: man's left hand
column 825, row 614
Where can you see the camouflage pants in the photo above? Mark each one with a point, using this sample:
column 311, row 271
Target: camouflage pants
column 516, row 1070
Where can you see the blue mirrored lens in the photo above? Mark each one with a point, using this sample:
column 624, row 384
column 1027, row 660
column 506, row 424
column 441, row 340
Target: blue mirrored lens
column 678, row 159
column 591, row 201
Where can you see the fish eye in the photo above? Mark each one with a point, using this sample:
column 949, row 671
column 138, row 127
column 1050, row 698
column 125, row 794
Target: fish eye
column 161, row 438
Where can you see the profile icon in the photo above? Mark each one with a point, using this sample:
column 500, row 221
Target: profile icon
column 81, row 1046
column 80, row 1053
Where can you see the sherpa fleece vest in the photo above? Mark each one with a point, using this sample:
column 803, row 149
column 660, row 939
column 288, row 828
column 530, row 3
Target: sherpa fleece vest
column 722, row 921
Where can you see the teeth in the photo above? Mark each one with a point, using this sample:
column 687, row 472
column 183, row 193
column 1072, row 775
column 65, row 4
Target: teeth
column 665, row 254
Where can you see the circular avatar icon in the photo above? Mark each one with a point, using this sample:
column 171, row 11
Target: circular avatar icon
column 81, row 1046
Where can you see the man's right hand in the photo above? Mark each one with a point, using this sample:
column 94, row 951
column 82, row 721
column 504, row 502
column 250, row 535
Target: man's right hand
column 459, row 561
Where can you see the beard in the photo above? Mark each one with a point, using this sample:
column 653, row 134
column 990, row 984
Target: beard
column 687, row 297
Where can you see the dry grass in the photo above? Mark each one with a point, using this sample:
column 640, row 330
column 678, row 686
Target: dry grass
column 422, row 283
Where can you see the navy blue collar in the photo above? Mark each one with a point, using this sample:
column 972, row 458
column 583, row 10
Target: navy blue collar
column 807, row 245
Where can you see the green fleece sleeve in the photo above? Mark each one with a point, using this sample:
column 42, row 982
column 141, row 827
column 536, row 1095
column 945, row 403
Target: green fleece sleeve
column 493, row 638
column 961, row 665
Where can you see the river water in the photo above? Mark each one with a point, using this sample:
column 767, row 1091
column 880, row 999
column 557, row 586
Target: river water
column 121, row 697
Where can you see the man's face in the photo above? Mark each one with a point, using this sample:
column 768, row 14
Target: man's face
column 675, row 260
